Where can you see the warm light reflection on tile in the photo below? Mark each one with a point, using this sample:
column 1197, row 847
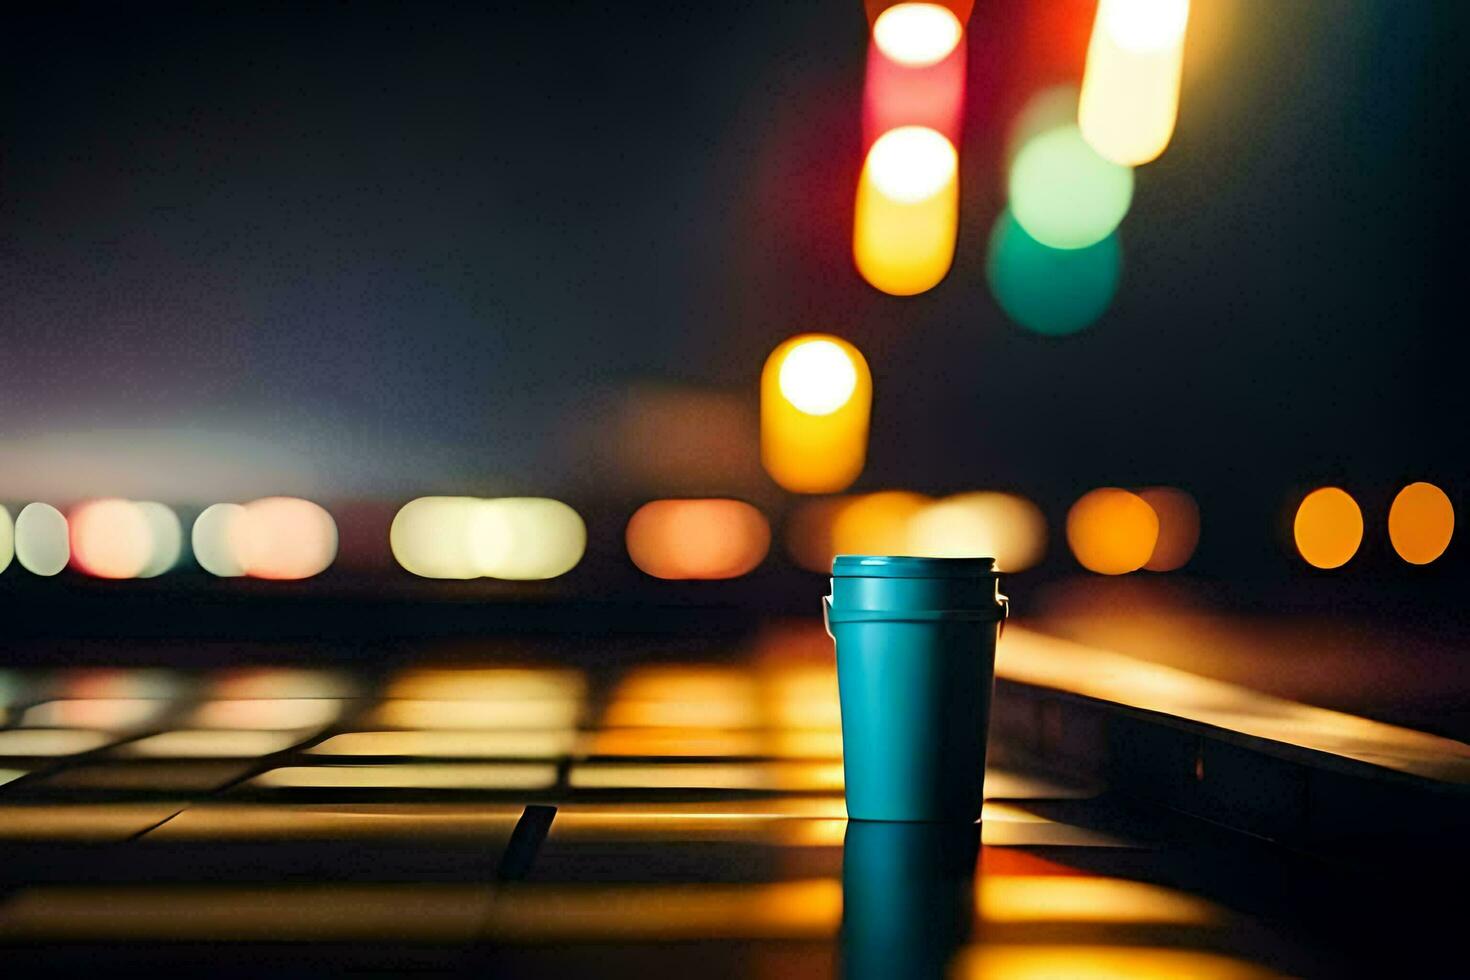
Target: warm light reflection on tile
column 452, row 745
column 488, row 684
column 467, row 776
column 1007, row 784
column 770, row 808
column 787, row 910
column 11, row 687
column 267, row 714
column 1060, row 898
column 187, row 777
column 713, row 743
column 807, row 777
column 1006, row 825
column 996, row 962
column 209, row 744
column 260, row 913
column 339, row 821
column 729, row 713
column 107, row 714
column 53, row 742
column 477, row 715
column 89, row 822
column 10, row 775
column 282, row 682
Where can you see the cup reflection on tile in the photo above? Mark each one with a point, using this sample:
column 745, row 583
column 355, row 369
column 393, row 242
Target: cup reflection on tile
column 908, row 897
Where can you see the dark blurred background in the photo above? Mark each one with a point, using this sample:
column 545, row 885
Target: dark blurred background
column 363, row 252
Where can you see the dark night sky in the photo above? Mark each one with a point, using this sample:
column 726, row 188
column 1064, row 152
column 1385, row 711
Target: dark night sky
column 389, row 248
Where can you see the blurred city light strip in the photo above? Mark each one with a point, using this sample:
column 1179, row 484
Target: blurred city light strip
column 816, row 399
column 907, row 214
column 1130, row 90
column 212, row 539
column 489, row 684
column 209, row 744
column 104, row 714
column 267, row 714
column 1421, row 523
column 516, row 538
column 280, row 538
column 697, row 539
column 42, row 543
column 477, row 715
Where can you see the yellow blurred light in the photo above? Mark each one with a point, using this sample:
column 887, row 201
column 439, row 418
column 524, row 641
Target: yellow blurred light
column 267, row 714
column 7, row 538
column 697, row 539
column 451, row 744
column 452, row 775
column 1130, row 91
column 1328, row 528
column 105, row 714
column 877, row 523
column 526, row 538
column 489, row 684
column 983, row 524
column 212, row 539
column 907, row 212
column 209, row 744
column 1068, row 898
column 284, row 538
column 51, row 742
column 806, row 452
column 994, row 961
column 42, row 544
column 430, row 537
column 817, row 377
column 1420, row 523
column 917, row 34
column 1112, row 531
column 477, row 715
column 1178, row 527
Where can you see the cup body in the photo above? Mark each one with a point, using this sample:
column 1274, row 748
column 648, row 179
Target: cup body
column 915, row 670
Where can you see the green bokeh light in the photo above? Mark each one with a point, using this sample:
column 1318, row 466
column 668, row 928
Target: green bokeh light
column 1064, row 194
column 1049, row 290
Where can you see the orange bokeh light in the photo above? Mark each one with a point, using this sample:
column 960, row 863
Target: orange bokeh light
column 1328, row 528
column 110, row 538
column 1421, row 523
column 697, row 539
column 1178, row 528
column 1112, row 531
column 284, row 538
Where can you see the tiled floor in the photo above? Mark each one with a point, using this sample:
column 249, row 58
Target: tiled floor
column 645, row 821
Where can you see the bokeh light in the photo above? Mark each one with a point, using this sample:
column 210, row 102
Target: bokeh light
column 165, row 538
column 213, row 539
column 1178, row 528
column 7, row 538
column 917, row 34
column 817, row 377
column 1054, row 107
column 1130, row 90
column 983, row 524
column 1328, row 528
column 1052, row 291
column 1064, row 194
column 815, row 453
column 697, row 539
column 877, row 524
column 1112, row 531
column 526, row 538
column 42, row 545
column 430, row 537
column 907, row 212
column 809, row 532
column 110, row 538
column 1421, row 522
column 284, row 538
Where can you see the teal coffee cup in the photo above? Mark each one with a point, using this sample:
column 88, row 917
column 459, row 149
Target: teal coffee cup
column 915, row 670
